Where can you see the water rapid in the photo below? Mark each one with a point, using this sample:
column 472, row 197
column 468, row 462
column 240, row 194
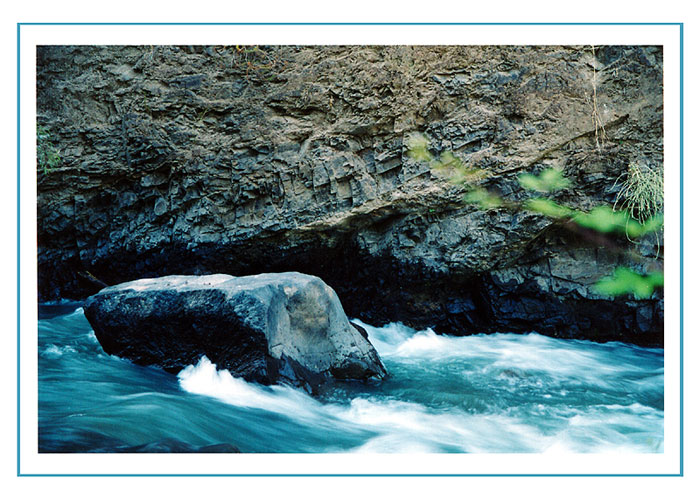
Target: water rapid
column 481, row 393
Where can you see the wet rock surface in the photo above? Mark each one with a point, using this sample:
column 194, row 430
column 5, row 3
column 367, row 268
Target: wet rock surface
column 270, row 328
column 199, row 160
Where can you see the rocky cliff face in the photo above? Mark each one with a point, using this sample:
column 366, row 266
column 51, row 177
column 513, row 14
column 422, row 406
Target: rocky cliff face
column 241, row 160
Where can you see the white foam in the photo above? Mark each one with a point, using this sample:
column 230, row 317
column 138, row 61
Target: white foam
column 395, row 444
column 405, row 426
column 579, row 362
column 53, row 352
column 386, row 339
column 205, row 379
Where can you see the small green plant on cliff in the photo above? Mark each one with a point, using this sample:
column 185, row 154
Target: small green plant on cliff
column 47, row 157
column 642, row 193
column 643, row 199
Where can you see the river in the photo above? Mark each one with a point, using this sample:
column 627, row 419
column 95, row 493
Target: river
column 493, row 393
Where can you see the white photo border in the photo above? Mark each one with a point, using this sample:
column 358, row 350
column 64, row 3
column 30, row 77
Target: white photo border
column 32, row 463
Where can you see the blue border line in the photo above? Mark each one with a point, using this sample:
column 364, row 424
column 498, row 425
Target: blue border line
column 681, row 249
column 303, row 475
column 18, row 247
column 344, row 24
column 680, row 25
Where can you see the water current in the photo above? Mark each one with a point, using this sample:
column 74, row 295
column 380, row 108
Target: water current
column 480, row 393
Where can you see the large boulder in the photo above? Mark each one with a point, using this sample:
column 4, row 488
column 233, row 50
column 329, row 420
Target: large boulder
column 270, row 328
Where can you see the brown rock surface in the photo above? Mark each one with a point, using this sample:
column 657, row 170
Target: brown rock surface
column 179, row 160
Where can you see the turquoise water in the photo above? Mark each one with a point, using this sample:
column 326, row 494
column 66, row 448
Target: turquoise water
column 482, row 393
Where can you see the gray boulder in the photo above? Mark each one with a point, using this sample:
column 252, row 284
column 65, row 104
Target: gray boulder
column 270, row 328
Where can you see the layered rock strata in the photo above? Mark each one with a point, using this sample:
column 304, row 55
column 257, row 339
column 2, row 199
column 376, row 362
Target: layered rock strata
column 242, row 160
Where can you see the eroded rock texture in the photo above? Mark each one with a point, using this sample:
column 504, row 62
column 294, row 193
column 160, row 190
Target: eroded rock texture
column 241, row 160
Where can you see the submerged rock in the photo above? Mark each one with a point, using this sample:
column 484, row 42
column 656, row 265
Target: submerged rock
column 269, row 328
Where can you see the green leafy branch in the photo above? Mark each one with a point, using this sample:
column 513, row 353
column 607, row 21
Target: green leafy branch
column 625, row 281
column 601, row 219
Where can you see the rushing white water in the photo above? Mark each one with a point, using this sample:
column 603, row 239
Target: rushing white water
column 483, row 393
column 493, row 370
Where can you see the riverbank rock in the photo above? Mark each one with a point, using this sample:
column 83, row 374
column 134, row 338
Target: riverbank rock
column 269, row 328
column 246, row 160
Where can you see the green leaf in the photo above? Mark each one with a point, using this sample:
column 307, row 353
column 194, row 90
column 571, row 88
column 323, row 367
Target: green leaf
column 417, row 145
column 449, row 160
column 549, row 180
column 627, row 281
column 652, row 225
column 548, row 207
column 483, row 198
column 604, row 219
column 462, row 175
